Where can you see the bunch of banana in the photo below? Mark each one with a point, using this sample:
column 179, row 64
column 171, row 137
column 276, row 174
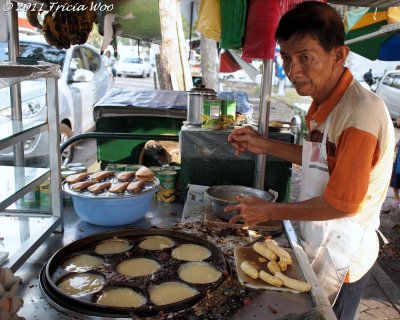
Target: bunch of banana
column 63, row 28
column 166, row 195
column 32, row 17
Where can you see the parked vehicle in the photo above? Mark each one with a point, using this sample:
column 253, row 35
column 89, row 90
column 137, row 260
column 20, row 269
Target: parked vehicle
column 83, row 82
column 374, row 85
column 133, row 67
column 388, row 89
column 239, row 75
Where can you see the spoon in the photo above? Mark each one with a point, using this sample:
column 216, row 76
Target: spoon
column 207, row 153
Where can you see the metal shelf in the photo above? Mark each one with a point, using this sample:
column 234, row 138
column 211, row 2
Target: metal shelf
column 25, row 235
column 17, row 181
column 15, row 131
column 12, row 73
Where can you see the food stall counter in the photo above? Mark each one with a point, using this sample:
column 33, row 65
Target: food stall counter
column 230, row 300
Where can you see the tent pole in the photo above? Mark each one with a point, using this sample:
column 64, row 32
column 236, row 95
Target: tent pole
column 264, row 111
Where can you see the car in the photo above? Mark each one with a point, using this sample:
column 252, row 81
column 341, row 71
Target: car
column 388, row 89
column 239, row 75
column 84, row 80
column 376, row 80
column 133, row 66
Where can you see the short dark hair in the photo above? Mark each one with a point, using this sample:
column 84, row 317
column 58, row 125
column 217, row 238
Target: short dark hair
column 317, row 19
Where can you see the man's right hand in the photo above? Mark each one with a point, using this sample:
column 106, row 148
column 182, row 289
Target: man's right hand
column 247, row 139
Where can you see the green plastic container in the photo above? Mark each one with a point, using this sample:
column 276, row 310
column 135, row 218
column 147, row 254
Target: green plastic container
column 211, row 117
column 116, row 167
column 228, row 113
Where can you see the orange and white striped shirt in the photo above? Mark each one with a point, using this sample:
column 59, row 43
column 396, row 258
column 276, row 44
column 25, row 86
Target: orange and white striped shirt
column 360, row 151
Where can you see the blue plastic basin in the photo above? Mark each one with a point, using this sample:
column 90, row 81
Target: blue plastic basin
column 113, row 211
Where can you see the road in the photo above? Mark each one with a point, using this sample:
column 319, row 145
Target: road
column 137, row 83
column 85, row 151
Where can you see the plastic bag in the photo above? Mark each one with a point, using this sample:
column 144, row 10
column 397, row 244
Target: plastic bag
column 209, row 21
column 233, row 23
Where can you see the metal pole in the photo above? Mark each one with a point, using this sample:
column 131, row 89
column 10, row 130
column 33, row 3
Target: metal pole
column 15, row 89
column 54, row 148
column 114, row 135
column 190, row 27
column 265, row 104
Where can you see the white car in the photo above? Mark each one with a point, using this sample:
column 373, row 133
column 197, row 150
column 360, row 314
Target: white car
column 239, row 75
column 388, row 89
column 83, row 82
column 133, row 66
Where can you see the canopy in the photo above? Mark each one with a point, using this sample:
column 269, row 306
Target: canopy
column 367, row 3
column 374, row 33
column 231, row 62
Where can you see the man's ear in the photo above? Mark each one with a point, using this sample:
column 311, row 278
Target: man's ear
column 341, row 54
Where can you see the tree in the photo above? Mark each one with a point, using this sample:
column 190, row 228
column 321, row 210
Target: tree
column 173, row 65
column 209, row 60
column 209, row 63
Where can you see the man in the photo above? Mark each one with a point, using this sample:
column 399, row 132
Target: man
column 109, row 62
column 345, row 158
column 368, row 77
column 395, row 178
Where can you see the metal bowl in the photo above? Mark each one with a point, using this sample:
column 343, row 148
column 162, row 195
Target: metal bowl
column 282, row 126
column 107, row 209
column 222, row 196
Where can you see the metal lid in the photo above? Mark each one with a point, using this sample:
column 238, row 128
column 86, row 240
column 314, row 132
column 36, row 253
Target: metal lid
column 202, row 90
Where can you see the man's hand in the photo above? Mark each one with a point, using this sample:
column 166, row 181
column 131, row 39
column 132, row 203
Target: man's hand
column 247, row 139
column 252, row 210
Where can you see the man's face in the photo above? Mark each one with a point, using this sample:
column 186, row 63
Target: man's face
column 308, row 66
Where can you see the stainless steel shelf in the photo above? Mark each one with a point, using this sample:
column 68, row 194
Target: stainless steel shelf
column 18, row 209
column 17, row 181
column 15, row 73
column 25, row 235
column 13, row 132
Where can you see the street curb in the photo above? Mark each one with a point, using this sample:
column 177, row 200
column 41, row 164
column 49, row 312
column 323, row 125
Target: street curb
column 387, row 285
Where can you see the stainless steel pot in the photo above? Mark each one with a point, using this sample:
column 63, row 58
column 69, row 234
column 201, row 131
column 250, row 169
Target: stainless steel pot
column 196, row 97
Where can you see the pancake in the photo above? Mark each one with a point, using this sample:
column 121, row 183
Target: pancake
column 121, row 297
column 198, row 273
column 112, row 246
column 170, row 292
column 82, row 263
column 80, row 284
column 137, row 267
column 144, row 174
column 191, row 252
column 156, row 243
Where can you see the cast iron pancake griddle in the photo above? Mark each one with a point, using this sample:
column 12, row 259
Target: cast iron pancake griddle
column 53, row 273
